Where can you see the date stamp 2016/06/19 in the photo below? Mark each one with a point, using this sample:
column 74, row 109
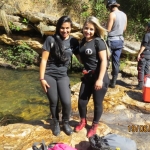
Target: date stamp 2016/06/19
column 139, row 128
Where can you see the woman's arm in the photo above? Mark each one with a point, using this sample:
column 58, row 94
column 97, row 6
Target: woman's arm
column 43, row 63
column 103, row 57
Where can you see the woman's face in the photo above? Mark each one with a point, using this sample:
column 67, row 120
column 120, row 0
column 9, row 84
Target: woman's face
column 65, row 30
column 88, row 31
column 147, row 28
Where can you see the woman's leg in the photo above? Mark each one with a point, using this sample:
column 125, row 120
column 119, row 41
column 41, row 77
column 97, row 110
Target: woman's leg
column 147, row 67
column 84, row 96
column 64, row 92
column 141, row 69
column 52, row 95
column 98, row 97
column 65, row 98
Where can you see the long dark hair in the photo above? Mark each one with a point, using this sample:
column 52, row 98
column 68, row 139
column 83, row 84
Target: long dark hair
column 59, row 48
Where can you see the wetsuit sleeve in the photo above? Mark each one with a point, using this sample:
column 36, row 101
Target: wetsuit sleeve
column 75, row 47
column 47, row 44
column 100, row 45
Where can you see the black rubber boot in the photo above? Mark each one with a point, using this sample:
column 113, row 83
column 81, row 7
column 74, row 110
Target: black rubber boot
column 113, row 82
column 66, row 127
column 140, row 85
column 56, row 127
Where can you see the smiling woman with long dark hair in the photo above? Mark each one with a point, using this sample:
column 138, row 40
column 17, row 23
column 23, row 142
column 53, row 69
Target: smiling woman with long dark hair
column 56, row 56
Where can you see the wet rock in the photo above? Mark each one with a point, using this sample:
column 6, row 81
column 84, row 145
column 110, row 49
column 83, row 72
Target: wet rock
column 124, row 113
column 22, row 136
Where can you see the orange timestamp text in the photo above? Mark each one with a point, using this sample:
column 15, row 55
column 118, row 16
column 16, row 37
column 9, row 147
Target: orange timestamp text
column 139, row 128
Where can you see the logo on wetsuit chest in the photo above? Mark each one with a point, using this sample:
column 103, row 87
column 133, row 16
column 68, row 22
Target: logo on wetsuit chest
column 88, row 51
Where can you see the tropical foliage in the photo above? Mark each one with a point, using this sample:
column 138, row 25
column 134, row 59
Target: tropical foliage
column 20, row 56
column 138, row 13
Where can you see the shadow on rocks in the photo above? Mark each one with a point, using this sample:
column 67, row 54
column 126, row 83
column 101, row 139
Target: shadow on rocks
column 83, row 145
column 122, row 83
column 48, row 124
column 73, row 123
column 135, row 95
column 44, row 123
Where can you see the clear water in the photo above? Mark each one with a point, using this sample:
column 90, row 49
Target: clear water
column 22, row 96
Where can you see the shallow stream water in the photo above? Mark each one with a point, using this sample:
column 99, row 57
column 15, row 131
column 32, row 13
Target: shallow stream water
column 22, row 96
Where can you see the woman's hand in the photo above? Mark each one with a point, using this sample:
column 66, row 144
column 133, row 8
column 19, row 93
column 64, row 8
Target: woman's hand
column 98, row 84
column 140, row 52
column 45, row 85
column 138, row 57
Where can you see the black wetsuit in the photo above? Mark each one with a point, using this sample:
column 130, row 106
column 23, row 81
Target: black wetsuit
column 57, row 78
column 144, row 62
column 89, row 55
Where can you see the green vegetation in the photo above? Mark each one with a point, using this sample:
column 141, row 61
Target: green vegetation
column 99, row 10
column 75, row 64
column 122, row 64
column 13, row 27
column 20, row 56
column 138, row 15
column 25, row 21
column 137, row 12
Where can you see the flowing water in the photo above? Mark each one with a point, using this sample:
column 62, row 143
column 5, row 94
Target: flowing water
column 21, row 94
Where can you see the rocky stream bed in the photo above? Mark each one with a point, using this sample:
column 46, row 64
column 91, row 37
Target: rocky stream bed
column 125, row 113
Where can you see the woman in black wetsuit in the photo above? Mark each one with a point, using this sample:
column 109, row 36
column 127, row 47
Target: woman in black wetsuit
column 95, row 81
column 56, row 55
